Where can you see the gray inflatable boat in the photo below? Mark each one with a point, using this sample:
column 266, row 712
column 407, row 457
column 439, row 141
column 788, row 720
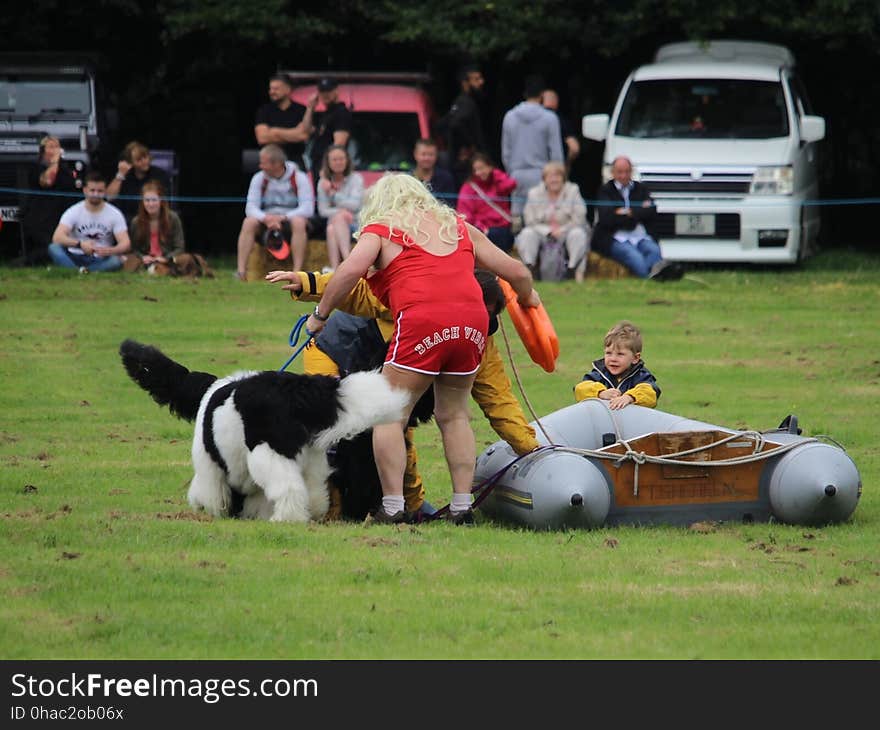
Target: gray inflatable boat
column 640, row 466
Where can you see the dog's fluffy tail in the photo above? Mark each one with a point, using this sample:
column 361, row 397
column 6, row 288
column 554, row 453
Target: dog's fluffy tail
column 169, row 383
column 366, row 400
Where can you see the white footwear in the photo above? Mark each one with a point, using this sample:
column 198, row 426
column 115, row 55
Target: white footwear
column 83, row 270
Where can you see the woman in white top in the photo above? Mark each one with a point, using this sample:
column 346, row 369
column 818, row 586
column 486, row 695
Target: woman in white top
column 340, row 196
column 555, row 209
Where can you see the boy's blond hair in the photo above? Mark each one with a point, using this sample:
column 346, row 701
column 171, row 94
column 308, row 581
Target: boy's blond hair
column 401, row 201
column 625, row 333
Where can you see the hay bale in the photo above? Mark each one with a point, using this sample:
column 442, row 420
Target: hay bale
column 260, row 262
column 602, row 267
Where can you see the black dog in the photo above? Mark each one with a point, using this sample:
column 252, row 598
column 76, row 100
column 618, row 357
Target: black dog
column 354, row 467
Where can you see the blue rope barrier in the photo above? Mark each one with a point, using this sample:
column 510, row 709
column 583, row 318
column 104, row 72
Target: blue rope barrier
column 294, row 337
column 587, row 201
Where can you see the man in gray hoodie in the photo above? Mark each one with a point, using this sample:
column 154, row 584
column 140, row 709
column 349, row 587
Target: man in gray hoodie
column 530, row 139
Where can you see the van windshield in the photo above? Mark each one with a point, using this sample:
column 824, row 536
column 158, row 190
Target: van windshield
column 383, row 140
column 30, row 96
column 704, row 108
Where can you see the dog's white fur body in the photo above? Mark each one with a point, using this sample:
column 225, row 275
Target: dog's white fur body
column 276, row 487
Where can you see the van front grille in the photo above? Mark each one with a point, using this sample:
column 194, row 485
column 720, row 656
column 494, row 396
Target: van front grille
column 727, row 182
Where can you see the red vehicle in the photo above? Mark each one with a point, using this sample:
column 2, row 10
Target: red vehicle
column 390, row 111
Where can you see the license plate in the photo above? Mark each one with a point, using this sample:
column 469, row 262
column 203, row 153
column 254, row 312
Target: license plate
column 687, row 224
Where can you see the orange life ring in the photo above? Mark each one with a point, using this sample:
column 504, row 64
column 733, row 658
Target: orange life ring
column 534, row 328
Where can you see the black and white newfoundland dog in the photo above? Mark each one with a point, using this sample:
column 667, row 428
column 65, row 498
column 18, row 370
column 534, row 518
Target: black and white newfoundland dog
column 261, row 438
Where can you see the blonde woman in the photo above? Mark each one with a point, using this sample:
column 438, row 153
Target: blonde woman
column 424, row 257
column 555, row 209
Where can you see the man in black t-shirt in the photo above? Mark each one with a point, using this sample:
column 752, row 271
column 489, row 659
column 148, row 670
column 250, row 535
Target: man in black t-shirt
column 285, row 122
column 462, row 126
column 333, row 127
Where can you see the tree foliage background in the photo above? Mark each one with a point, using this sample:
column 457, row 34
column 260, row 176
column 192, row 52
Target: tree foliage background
column 188, row 74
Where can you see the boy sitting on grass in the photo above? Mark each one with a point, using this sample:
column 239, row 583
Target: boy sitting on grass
column 621, row 376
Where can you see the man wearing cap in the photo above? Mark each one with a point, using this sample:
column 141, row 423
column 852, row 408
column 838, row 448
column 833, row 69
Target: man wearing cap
column 285, row 122
column 280, row 201
column 333, row 127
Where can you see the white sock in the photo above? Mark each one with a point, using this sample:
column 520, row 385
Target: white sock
column 392, row 503
column 460, row 503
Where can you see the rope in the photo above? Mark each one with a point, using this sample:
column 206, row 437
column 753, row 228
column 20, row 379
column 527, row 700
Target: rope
column 522, row 390
column 640, row 457
column 818, row 202
column 826, row 437
column 485, row 487
column 292, row 340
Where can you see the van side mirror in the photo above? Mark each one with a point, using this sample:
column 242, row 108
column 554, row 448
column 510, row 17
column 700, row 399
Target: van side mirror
column 595, row 126
column 812, row 128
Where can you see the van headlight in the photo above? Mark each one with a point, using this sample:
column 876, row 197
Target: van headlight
column 773, row 181
column 606, row 174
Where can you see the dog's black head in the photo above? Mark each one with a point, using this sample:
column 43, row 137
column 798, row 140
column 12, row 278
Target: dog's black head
column 355, row 474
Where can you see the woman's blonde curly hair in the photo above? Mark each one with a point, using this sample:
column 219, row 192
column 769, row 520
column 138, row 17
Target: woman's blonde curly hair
column 400, row 201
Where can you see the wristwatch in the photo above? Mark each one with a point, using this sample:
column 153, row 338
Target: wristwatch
column 320, row 317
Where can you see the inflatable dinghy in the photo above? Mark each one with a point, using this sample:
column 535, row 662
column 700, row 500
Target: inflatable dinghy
column 640, row 466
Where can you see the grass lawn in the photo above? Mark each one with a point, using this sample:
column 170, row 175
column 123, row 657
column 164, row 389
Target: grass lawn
column 101, row 557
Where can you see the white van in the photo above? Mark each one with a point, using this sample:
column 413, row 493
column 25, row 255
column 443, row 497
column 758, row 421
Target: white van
column 723, row 136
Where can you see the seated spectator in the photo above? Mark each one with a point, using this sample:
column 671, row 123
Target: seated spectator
column 340, row 195
column 134, row 169
column 555, row 209
column 625, row 224
column 92, row 234
column 280, row 201
column 49, row 178
column 484, row 200
column 437, row 179
column 156, row 231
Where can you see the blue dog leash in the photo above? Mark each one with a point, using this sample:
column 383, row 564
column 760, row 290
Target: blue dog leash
column 294, row 337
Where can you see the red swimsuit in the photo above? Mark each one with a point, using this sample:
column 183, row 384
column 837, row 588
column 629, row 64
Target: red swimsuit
column 440, row 318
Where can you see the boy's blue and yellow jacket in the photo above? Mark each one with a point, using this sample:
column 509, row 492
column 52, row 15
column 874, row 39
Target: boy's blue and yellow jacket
column 637, row 382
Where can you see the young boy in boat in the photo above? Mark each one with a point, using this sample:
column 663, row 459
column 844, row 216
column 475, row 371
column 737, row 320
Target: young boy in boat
column 620, row 377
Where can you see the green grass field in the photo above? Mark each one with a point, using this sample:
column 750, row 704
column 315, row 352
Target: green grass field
column 101, row 557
